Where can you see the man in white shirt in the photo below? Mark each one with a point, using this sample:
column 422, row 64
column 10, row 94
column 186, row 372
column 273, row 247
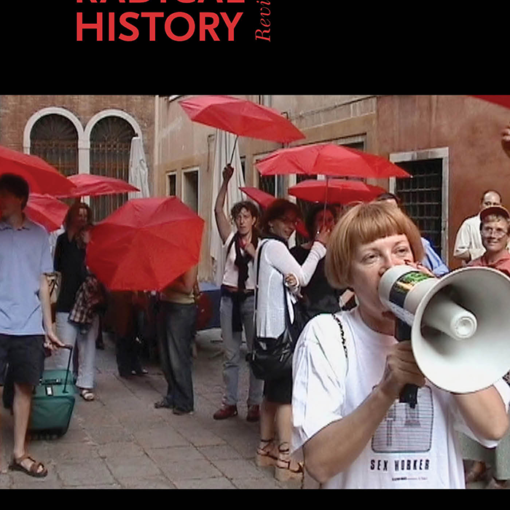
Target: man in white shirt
column 468, row 244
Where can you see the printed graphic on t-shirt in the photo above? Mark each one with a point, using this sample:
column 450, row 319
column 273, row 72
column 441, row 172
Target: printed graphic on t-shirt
column 404, row 429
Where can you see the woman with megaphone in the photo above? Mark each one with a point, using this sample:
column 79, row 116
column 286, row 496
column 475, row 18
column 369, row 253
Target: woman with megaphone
column 349, row 372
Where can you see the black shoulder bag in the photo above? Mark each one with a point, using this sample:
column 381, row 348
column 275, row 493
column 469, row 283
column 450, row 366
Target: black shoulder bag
column 271, row 358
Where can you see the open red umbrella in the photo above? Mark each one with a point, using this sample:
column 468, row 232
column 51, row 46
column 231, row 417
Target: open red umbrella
column 257, row 195
column 328, row 159
column 41, row 176
column 46, row 210
column 89, row 185
column 500, row 100
column 335, row 191
column 145, row 244
column 242, row 118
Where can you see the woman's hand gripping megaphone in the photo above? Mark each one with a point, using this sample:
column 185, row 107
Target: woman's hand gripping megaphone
column 400, row 372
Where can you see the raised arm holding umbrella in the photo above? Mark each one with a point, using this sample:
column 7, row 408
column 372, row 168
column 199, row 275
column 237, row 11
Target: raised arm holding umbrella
column 242, row 118
column 237, row 297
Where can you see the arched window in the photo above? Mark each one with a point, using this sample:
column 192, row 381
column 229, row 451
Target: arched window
column 110, row 145
column 54, row 139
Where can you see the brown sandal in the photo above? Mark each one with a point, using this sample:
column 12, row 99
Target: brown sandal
column 34, row 469
column 265, row 457
column 283, row 471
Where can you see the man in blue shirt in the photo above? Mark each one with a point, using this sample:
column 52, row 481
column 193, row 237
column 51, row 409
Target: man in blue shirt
column 25, row 312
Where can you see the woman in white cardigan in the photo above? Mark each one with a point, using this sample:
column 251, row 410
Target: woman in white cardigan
column 276, row 266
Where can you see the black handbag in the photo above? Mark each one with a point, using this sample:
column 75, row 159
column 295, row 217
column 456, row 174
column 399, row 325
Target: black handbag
column 271, row 358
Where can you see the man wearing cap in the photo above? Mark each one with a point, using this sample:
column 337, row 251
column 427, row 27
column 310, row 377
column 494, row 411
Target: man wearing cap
column 468, row 244
column 494, row 225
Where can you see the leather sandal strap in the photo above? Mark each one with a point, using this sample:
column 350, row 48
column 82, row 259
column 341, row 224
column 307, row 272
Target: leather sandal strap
column 300, row 466
column 34, row 467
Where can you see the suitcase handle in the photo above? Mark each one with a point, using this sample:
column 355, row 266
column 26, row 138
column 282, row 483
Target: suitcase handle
column 70, row 347
column 51, row 382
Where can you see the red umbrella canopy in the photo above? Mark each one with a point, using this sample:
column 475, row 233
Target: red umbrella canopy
column 89, row 185
column 242, row 118
column 260, row 197
column 501, row 100
column 145, row 244
column 46, row 210
column 335, row 191
column 41, row 176
column 328, row 159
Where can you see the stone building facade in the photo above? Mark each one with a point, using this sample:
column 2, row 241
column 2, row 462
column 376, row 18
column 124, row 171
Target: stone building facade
column 184, row 151
column 450, row 144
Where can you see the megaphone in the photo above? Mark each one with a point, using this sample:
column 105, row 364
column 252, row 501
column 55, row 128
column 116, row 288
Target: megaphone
column 459, row 324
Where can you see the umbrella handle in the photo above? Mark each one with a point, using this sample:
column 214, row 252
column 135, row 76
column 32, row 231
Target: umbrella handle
column 325, row 203
column 233, row 150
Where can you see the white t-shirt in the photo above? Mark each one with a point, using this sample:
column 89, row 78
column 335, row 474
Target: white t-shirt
column 231, row 273
column 276, row 262
column 411, row 448
column 469, row 239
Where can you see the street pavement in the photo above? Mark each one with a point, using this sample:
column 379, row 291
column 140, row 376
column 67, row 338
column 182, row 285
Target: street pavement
column 121, row 441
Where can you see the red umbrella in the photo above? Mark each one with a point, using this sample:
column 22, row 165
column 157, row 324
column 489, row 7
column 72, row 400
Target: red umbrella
column 41, row 176
column 335, row 191
column 328, row 159
column 242, row 118
column 260, row 197
column 501, row 100
column 89, row 185
column 145, row 244
column 46, row 210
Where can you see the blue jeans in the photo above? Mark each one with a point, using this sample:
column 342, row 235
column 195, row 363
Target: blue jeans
column 70, row 333
column 232, row 343
column 175, row 334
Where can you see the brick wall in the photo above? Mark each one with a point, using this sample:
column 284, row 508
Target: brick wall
column 15, row 111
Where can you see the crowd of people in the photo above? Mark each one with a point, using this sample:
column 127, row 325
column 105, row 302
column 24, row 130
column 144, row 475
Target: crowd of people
column 336, row 413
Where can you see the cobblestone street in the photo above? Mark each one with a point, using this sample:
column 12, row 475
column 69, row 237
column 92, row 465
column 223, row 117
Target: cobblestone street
column 121, row 441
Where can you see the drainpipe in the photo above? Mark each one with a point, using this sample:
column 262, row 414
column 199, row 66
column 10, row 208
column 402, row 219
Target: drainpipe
column 155, row 148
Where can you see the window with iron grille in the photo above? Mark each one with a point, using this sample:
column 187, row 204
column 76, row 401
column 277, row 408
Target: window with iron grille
column 267, row 183
column 422, row 197
column 110, row 146
column 54, row 139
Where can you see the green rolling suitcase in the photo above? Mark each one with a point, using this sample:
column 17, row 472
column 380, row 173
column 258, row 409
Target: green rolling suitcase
column 52, row 404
